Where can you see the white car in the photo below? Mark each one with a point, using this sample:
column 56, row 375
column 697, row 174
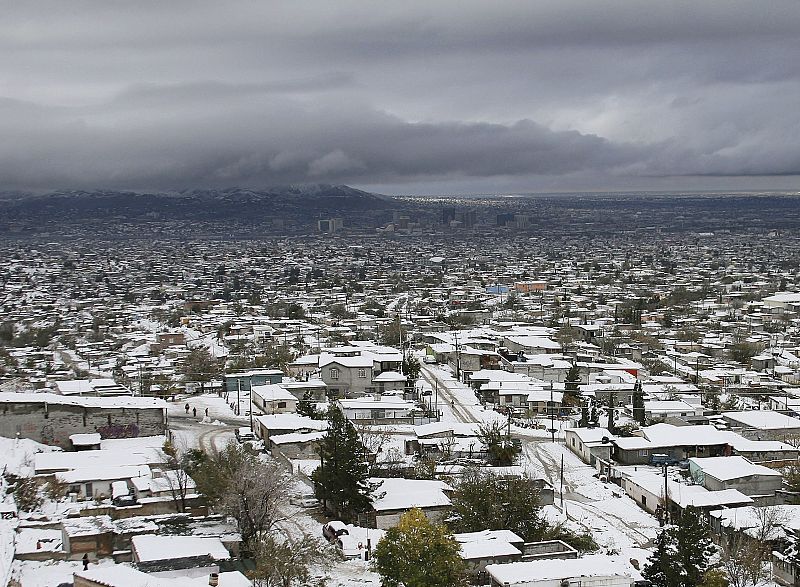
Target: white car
column 304, row 501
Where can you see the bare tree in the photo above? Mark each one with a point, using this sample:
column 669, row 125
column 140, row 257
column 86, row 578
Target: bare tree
column 254, row 496
column 742, row 561
column 284, row 561
column 746, row 553
column 372, row 438
column 446, row 447
column 176, row 477
column 769, row 519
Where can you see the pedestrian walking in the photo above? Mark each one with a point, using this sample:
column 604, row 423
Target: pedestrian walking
column 186, row 407
column 85, row 560
column 194, row 412
column 206, row 412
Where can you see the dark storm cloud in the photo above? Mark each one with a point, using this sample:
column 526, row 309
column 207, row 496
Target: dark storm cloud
column 183, row 94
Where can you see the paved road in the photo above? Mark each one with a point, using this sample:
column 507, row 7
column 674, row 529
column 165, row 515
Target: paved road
column 461, row 413
column 211, row 438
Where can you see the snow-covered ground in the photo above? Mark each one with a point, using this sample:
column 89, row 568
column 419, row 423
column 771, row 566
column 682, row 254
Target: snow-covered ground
column 218, row 408
column 51, row 573
column 615, row 521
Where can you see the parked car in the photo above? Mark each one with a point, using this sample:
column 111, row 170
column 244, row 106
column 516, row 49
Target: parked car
column 306, row 500
column 429, row 359
column 244, row 434
column 332, row 530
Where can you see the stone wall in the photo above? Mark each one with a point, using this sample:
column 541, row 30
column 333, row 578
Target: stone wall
column 53, row 424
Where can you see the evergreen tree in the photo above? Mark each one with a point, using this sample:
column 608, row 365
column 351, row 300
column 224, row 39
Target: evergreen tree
column 417, row 553
column 306, row 407
column 585, row 418
column 681, row 557
column 612, row 403
column 502, row 450
column 341, row 480
column 571, row 381
column 411, row 368
column 638, row 403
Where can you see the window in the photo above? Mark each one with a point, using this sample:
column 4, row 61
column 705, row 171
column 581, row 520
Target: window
column 334, row 372
column 644, row 453
column 281, row 405
column 644, row 500
column 362, row 373
column 89, row 490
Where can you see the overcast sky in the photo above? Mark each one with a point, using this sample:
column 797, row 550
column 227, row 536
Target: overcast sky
column 421, row 97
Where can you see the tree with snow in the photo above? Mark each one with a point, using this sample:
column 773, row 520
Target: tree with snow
column 682, row 555
column 341, row 480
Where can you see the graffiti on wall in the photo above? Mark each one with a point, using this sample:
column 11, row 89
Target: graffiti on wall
column 119, row 431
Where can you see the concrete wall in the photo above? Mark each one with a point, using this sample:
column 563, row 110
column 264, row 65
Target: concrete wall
column 390, row 519
column 751, row 485
column 54, row 423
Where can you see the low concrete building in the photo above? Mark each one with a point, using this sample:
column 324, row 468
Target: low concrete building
column 393, row 497
column 763, row 425
column 590, row 444
column 647, row 489
column 51, row 419
column 735, row 472
column 479, row 549
column 296, row 445
column 273, row 399
column 265, row 427
column 588, row 571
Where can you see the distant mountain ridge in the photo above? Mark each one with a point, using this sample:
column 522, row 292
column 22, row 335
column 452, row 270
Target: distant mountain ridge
column 297, row 203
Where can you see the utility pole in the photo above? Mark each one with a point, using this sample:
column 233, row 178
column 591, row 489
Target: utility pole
column 562, row 482
column 458, row 356
column 552, row 421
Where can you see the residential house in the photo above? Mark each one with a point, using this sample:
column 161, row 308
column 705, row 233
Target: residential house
column 590, row 444
column 392, row 497
column 381, row 409
column 487, row 547
column 763, row 425
column 588, row 571
column 245, row 380
column 735, row 472
column 675, row 443
column 273, row 399
column 277, row 424
column 647, row 489
column 296, row 445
